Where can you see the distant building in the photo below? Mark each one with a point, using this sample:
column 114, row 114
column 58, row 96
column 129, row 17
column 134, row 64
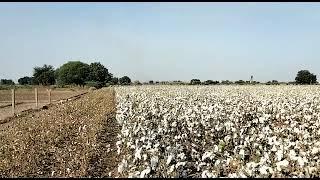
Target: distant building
column 251, row 79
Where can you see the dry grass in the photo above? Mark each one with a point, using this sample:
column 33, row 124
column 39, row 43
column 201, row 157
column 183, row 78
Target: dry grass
column 25, row 99
column 68, row 140
column 28, row 95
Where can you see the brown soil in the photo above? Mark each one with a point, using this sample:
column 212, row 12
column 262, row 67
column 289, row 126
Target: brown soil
column 72, row 139
column 25, row 99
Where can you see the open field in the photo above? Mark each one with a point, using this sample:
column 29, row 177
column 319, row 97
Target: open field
column 219, row 131
column 72, row 139
column 25, row 99
column 169, row 131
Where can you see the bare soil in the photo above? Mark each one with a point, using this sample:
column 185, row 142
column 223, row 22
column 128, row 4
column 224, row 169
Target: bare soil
column 72, row 139
column 25, row 99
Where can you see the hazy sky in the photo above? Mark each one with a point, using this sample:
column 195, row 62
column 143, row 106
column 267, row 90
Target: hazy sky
column 164, row 41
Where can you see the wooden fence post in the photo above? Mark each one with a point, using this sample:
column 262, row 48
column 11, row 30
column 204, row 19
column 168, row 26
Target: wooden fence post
column 36, row 96
column 13, row 100
column 49, row 95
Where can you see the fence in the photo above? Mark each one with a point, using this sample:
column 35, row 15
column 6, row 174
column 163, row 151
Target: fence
column 13, row 95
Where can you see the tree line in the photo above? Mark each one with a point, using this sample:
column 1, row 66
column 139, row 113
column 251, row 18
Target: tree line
column 71, row 73
column 97, row 75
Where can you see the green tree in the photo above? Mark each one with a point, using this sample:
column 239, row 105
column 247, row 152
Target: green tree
column 241, row 82
column 195, row 82
column 98, row 73
column 226, row 82
column 25, row 80
column 137, row 83
column 125, row 80
column 151, row 82
column 73, row 72
column 6, row 82
column 209, row 82
column 114, row 80
column 44, row 75
column 305, row 77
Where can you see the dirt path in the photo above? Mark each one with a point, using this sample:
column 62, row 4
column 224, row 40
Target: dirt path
column 74, row 139
column 6, row 108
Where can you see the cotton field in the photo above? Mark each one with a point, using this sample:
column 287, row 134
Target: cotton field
column 219, row 131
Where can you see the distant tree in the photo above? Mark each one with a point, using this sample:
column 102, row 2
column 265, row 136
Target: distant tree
column 241, row 82
column 25, row 80
column 98, row 73
column 275, row 82
column 305, row 77
column 226, row 82
column 44, row 75
column 114, row 80
column 292, row 83
column 137, row 82
column 157, row 82
column 95, row 84
column 125, row 80
column 151, row 82
column 195, row 82
column 6, row 82
column 209, row 82
column 73, row 72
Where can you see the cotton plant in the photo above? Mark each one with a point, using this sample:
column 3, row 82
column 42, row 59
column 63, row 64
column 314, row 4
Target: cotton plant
column 218, row 131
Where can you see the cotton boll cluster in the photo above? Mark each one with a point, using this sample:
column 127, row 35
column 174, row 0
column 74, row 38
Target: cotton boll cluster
column 219, row 131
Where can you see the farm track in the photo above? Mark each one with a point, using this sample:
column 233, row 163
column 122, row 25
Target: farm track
column 73, row 139
column 29, row 107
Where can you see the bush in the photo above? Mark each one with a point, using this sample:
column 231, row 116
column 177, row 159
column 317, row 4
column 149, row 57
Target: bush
column 95, row 84
column 195, row 82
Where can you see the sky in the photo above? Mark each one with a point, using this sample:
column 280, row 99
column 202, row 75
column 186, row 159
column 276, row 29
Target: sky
column 164, row 41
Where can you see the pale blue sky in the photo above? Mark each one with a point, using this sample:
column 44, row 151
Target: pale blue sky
column 164, row 41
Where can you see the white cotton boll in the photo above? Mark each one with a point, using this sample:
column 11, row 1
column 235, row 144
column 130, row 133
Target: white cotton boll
column 302, row 161
column 195, row 151
column 274, row 149
column 312, row 169
column 126, row 133
column 296, row 130
column 283, row 163
column 180, row 164
column 145, row 156
column 206, row 155
column 217, row 162
column 216, row 148
column 292, row 155
column 261, row 119
column 233, row 175
column 181, row 155
column 263, row 170
column 241, row 152
column 174, row 124
column 118, row 143
column 204, row 174
column 171, row 169
column 242, row 175
column 315, row 150
column 122, row 166
column 137, row 154
column 279, row 155
column 308, row 117
column 169, row 159
column 154, row 161
column 145, row 172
